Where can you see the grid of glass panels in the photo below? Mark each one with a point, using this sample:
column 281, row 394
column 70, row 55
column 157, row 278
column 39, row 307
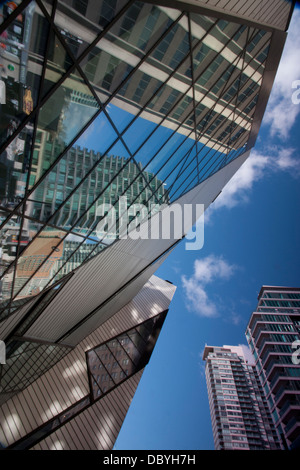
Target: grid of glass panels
column 112, row 362
column 138, row 100
column 132, row 350
column 27, row 360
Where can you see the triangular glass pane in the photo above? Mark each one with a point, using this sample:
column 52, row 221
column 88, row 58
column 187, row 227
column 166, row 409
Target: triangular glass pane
column 35, row 265
column 7, row 8
column 183, row 173
column 137, row 133
column 171, row 156
column 14, row 164
column 58, row 63
column 141, row 26
column 20, row 85
column 73, row 169
column 61, row 118
column 108, row 364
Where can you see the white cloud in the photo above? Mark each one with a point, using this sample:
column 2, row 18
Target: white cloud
column 281, row 112
column 206, row 271
column 256, row 167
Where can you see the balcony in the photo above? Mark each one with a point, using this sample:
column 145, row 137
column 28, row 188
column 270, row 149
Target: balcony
column 289, row 406
column 292, row 429
column 286, row 390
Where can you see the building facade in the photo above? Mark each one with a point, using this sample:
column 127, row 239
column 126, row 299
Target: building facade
column 240, row 416
column 109, row 101
column 273, row 334
column 81, row 402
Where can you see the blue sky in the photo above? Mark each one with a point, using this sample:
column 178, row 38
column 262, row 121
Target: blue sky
column 251, row 239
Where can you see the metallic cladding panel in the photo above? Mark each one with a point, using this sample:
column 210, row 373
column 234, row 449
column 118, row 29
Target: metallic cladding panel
column 67, row 381
column 110, row 270
column 268, row 13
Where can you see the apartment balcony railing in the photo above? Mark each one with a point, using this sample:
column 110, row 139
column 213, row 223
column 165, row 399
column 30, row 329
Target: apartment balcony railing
column 288, row 404
column 283, row 389
column 295, row 421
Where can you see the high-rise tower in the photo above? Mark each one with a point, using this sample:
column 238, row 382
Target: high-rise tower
column 273, row 334
column 239, row 410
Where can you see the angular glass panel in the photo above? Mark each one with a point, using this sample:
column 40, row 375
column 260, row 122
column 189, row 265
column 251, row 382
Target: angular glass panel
column 38, row 260
column 14, row 243
column 25, row 361
column 183, row 158
column 138, row 132
column 22, row 51
column 58, row 63
column 170, row 155
column 104, row 70
column 60, row 119
column 140, row 27
column 121, row 357
column 7, row 7
column 153, row 145
column 76, row 250
column 73, row 169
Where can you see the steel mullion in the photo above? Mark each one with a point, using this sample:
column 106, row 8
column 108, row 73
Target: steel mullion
column 24, row 4
column 68, row 72
column 239, row 88
column 193, row 82
column 233, row 111
column 83, row 130
column 206, row 116
column 110, row 182
column 32, row 148
column 168, row 138
column 74, row 140
column 240, row 111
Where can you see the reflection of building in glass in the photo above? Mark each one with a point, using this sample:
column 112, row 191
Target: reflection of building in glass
column 273, row 334
column 60, row 181
column 177, row 93
column 239, row 411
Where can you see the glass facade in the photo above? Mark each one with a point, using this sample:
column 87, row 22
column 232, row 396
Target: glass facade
column 108, row 365
column 126, row 99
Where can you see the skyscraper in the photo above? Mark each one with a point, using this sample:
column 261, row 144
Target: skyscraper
column 239, row 410
column 171, row 97
column 273, row 334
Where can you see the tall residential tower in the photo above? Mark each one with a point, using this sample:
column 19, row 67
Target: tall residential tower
column 273, row 334
column 239, row 410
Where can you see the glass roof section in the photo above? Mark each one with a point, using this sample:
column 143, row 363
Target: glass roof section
column 133, row 99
